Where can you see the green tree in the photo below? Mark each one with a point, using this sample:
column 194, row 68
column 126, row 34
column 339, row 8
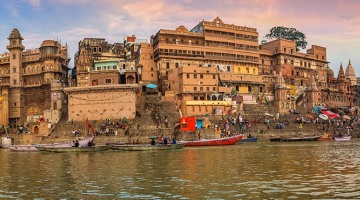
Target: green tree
column 281, row 32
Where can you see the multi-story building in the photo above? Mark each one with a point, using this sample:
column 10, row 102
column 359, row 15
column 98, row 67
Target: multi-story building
column 196, row 90
column 106, row 82
column 26, row 79
column 210, row 43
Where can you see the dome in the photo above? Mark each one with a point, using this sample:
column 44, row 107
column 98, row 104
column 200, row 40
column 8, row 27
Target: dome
column 329, row 73
column 349, row 70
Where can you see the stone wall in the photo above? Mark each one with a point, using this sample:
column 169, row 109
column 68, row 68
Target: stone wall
column 94, row 103
column 36, row 100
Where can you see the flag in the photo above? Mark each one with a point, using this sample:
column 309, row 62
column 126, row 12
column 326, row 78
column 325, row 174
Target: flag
column 88, row 126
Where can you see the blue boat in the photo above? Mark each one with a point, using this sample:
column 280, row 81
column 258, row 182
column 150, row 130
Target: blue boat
column 252, row 139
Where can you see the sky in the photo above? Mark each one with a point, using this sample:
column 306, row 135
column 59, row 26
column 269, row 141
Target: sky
column 334, row 24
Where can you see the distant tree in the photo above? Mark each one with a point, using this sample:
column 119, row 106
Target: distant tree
column 281, row 32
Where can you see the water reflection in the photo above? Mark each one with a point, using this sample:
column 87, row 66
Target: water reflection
column 314, row 170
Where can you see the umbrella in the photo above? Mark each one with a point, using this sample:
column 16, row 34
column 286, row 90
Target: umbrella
column 151, row 86
column 153, row 137
column 268, row 114
column 324, row 117
column 346, row 117
column 309, row 116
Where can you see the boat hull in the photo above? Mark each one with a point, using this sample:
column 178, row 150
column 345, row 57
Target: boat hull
column 348, row 138
column 304, row 139
column 75, row 149
column 214, row 142
column 30, row 148
column 248, row 140
column 147, row 147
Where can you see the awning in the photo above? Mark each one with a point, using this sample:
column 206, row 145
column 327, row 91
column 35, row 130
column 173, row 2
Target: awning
column 151, row 86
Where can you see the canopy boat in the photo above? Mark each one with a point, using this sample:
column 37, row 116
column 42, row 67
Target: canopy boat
column 302, row 139
column 147, row 147
column 33, row 147
column 346, row 138
column 214, row 142
column 75, row 149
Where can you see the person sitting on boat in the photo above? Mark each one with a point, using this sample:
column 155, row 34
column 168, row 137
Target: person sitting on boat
column 153, row 141
column 165, row 141
column 173, row 140
column 90, row 143
column 77, row 143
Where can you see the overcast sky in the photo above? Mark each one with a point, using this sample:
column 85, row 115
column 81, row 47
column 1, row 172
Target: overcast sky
column 334, row 24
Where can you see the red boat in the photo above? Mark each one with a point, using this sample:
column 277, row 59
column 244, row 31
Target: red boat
column 214, row 142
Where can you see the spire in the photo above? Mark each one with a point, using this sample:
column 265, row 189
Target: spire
column 341, row 75
column 280, row 83
column 349, row 62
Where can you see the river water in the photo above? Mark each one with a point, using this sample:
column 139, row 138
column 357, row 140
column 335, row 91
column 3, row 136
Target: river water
column 262, row 170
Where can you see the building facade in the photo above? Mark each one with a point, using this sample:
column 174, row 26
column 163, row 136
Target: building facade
column 30, row 81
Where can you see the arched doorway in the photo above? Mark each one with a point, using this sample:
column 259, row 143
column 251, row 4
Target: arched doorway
column 130, row 80
column 36, row 130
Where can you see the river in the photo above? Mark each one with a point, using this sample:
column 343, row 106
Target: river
column 262, row 170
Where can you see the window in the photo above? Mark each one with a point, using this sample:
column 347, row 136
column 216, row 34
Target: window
column 152, row 75
column 214, row 89
column 187, row 75
column 98, row 68
column 247, row 70
column 167, row 65
column 176, row 65
column 262, row 61
column 14, row 81
column 201, row 89
column 94, row 49
column 195, row 88
column 285, row 61
column 103, row 67
column 114, row 67
column 14, row 56
column 196, row 98
column 207, row 89
column 14, row 70
column 152, row 69
column 124, row 66
column 292, row 62
column 284, row 50
column 214, row 76
column 15, row 104
column 100, row 49
column 228, row 68
column 322, row 57
column 201, row 76
column 108, row 80
column 249, row 88
column 261, row 89
column 195, row 75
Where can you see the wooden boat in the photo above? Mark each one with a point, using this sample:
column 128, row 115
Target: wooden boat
column 346, row 138
column 75, row 149
column 302, row 139
column 32, row 147
column 214, row 142
column 325, row 137
column 147, row 147
column 252, row 139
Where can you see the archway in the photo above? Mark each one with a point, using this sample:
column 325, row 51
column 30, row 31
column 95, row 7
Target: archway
column 130, row 80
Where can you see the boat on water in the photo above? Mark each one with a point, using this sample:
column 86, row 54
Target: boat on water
column 214, row 142
column 295, row 139
column 346, row 138
column 147, row 147
column 75, row 149
column 252, row 139
column 325, row 137
column 33, row 147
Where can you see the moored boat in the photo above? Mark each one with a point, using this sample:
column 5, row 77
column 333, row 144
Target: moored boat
column 33, row 147
column 295, row 139
column 214, row 142
column 252, row 139
column 325, row 137
column 147, row 147
column 75, row 149
column 346, row 138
